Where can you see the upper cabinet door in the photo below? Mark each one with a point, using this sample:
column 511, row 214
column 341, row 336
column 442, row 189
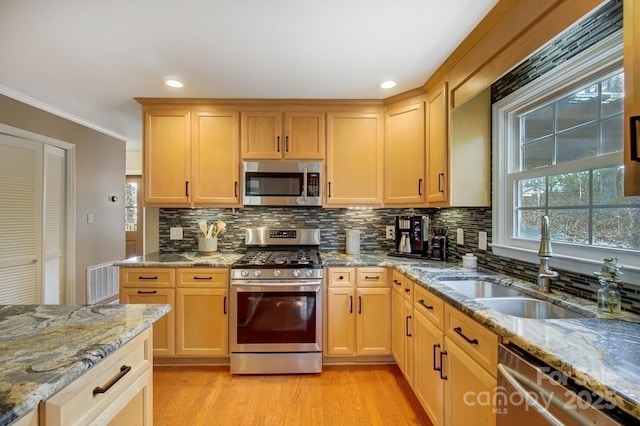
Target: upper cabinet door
column 304, row 135
column 437, row 143
column 404, row 177
column 631, row 25
column 215, row 159
column 354, row 159
column 261, row 135
column 167, row 157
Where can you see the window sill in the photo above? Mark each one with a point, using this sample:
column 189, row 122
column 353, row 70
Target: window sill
column 572, row 263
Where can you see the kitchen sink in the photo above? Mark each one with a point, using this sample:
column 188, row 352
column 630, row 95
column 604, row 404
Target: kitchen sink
column 477, row 289
column 525, row 307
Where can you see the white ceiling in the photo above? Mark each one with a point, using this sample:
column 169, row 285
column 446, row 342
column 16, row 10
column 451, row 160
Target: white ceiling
column 88, row 59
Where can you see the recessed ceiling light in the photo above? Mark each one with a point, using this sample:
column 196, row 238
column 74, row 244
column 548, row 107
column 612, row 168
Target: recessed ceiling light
column 388, row 84
column 173, row 83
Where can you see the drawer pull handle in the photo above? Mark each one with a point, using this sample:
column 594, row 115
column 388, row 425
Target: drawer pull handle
column 407, row 290
column 442, row 376
column 123, row 372
column 224, row 305
column 350, row 304
column 459, row 331
column 366, row 277
column 421, row 301
column 359, row 304
column 435, row 366
column 341, row 277
column 147, row 278
column 406, row 325
column 147, row 292
column 396, row 282
column 203, row 278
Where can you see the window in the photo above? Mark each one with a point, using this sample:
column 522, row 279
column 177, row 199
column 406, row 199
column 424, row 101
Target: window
column 131, row 206
column 558, row 145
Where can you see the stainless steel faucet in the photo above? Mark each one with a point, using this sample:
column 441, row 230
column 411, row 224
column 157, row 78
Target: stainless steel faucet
column 545, row 274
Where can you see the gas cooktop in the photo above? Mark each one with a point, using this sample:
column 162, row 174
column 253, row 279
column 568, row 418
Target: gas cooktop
column 296, row 258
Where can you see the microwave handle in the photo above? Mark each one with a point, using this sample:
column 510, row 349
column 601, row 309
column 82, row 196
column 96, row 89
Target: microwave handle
column 304, row 185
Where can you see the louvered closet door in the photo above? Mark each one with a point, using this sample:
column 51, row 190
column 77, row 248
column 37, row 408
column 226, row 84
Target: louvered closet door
column 54, row 224
column 20, row 213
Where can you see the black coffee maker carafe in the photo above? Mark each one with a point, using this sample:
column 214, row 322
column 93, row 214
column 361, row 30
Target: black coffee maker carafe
column 438, row 243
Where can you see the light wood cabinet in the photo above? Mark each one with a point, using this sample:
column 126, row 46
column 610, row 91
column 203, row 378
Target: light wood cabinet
column 191, row 157
column 215, row 158
column 428, row 384
column 470, row 367
column 354, row 159
column 263, row 137
column 405, row 154
column 402, row 325
column 126, row 378
column 152, row 285
column 437, row 144
column 468, row 389
column 197, row 325
column 167, row 157
column 202, row 302
column 631, row 25
column 358, row 312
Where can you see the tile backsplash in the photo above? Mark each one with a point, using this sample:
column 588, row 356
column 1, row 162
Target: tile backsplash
column 372, row 222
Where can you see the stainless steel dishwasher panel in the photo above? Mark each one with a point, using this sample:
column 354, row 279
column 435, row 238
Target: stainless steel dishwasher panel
column 531, row 393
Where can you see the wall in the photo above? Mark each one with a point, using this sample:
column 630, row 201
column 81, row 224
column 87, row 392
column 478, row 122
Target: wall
column 100, row 172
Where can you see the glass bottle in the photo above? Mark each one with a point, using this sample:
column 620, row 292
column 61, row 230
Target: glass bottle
column 609, row 298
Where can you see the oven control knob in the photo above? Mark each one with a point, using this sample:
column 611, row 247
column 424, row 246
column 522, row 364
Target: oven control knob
column 244, row 273
column 308, row 273
column 257, row 273
column 276, row 272
column 296, row 272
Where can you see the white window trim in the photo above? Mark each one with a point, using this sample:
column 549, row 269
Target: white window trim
column 569, row 257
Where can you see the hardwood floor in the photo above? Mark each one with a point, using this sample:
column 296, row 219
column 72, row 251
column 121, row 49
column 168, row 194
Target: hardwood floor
column 341, row 395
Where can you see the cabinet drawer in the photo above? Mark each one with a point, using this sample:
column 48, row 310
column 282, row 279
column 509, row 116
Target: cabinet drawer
column 397, row 281
column 202, row 277
column 372, row 277
column 157, row 277
column 477, row 341
column 341, row 277
column 80, row 403
column 429, row 305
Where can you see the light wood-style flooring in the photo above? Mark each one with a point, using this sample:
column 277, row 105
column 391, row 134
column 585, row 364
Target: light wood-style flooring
column 342, row 395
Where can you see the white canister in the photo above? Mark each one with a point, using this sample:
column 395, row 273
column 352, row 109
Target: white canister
column 207, row 245
column 353, row 241
column 469, row 261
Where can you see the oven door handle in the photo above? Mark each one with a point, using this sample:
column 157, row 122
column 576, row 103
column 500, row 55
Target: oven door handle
column 525, row 394
column 266, row 284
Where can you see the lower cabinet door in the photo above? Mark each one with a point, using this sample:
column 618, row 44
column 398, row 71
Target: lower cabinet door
column 398, row 328
column 373, row 331
column 164, row 328
column 469, row 389
column 428, row 385
column 340, row 321
column 202, row 321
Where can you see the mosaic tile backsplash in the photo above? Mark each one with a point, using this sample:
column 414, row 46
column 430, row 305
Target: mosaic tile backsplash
column 372, row 222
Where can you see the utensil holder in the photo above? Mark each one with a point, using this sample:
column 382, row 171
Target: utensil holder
column 207, row 245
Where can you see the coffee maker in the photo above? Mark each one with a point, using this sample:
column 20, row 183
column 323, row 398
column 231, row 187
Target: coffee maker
column 412, row 235
column 438, row 240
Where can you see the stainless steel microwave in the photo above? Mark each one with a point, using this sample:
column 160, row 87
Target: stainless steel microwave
column 281, row 183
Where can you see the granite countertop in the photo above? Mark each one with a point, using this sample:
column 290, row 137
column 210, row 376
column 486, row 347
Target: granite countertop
column 182, row 260
column 43, row 348
column 600, row 352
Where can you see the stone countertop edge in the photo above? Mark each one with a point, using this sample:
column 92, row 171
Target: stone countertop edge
column 603, row 353
column 44, row 348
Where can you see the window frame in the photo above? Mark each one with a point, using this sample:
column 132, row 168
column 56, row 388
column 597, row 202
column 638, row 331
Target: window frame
column 600, row 60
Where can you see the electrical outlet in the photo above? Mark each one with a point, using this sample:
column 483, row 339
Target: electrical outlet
column 460, row 236
column 391, row 232
column 175, row 233
column 482, row 240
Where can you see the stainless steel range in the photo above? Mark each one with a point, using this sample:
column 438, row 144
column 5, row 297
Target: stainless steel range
column 275, row 324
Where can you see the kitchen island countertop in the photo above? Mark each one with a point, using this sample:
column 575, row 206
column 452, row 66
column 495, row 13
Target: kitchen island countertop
column 44, row 348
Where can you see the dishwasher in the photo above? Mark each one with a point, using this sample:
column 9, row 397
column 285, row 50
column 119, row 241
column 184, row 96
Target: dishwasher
column 532, row 393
